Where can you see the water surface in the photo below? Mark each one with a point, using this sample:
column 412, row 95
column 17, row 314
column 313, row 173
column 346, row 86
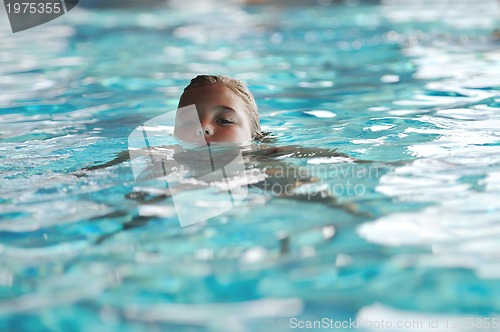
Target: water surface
column 392, row 82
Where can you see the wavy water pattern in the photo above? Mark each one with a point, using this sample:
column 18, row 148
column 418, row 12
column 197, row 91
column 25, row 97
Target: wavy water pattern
column 411, row 86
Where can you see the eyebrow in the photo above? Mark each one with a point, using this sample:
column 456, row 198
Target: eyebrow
column 225, row 108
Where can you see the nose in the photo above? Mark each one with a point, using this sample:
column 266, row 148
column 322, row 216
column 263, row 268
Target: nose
column 205, row 129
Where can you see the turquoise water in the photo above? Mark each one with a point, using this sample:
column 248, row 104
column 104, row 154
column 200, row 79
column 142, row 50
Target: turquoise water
column 391, row 82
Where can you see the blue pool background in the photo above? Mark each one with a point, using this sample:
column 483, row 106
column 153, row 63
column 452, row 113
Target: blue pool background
column 415, row 82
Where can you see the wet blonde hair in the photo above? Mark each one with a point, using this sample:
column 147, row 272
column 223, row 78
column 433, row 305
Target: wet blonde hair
column 238, row 88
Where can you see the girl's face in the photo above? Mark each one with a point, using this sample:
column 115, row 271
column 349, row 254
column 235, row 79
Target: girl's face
column 220, row 116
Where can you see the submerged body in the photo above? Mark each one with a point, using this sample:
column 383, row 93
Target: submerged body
column 168, row 170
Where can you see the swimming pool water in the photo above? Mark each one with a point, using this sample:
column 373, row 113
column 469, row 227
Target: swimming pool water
column 416, row 82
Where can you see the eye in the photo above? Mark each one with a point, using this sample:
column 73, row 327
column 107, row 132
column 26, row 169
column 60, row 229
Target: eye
column 224, row 121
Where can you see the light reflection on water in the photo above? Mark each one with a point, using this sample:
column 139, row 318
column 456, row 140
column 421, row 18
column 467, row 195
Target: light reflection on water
column 382, row 83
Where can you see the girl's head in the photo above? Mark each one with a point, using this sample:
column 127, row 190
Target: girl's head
column 226, row 111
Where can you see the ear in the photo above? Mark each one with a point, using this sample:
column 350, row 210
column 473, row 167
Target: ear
column 258, row 135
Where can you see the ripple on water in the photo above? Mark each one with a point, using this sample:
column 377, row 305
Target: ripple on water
column 49, row 214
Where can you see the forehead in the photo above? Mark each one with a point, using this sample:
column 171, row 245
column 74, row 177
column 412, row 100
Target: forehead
column 213, row 94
